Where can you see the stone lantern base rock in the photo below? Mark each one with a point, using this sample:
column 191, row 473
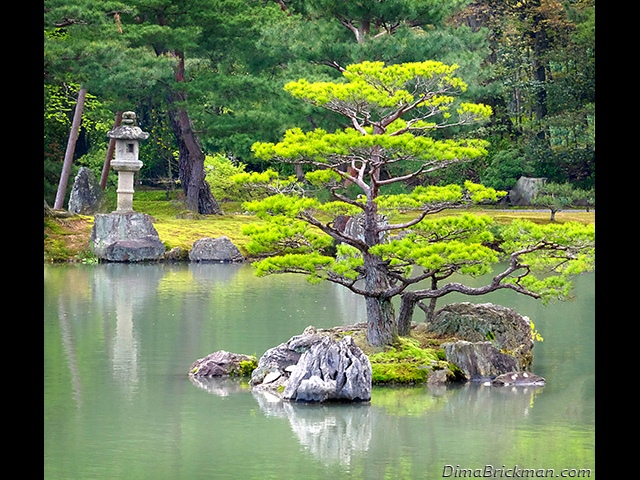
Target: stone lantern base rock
column 126, row 237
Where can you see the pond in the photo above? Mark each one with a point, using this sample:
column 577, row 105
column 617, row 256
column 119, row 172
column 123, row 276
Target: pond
column 118, row 404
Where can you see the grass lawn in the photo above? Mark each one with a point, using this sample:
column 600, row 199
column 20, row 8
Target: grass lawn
column 66, row 238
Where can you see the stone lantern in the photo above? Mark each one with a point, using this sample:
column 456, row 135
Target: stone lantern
column 124, row 235
column 126, row 162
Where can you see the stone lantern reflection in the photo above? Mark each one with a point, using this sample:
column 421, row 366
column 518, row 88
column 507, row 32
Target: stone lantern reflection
column 126, row 162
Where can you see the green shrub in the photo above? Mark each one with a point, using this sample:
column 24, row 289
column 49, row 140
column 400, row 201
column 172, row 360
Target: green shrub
column 218, row 172
column 247, row 367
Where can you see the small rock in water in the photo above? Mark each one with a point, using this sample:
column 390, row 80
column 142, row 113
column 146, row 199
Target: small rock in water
column 518, row 379
column 219, row 364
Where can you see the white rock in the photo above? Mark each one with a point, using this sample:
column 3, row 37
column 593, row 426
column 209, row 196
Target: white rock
column 271, row 377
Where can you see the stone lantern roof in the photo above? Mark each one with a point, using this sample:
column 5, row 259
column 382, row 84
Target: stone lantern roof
column 128, row 130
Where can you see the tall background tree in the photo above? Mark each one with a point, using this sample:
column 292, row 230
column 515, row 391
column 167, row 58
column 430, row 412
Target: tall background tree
column 84, row 44
column 205, row 77
column 542, row 88
column 154, row 57
column 316, row 39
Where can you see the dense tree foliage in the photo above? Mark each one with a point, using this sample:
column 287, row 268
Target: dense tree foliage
column 543, row 77
column 211, row 73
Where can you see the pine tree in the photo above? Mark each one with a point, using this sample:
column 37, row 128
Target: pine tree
column 391, row 110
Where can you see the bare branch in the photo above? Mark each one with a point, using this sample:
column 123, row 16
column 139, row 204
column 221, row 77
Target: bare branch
column 331, row 63
column 352, row 27
column 65, row 22
column 403, row 177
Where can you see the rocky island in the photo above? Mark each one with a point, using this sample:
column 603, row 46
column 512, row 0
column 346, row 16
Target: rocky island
column 465, row 342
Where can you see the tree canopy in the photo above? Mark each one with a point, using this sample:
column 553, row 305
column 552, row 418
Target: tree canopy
column 532, row 62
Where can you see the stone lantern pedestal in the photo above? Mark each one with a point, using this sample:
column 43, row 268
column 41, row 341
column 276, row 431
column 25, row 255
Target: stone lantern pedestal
column 125, row 235
column 126, row 172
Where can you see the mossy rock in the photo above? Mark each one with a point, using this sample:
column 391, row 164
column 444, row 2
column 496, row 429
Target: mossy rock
column 403, row 373
column 224, row 364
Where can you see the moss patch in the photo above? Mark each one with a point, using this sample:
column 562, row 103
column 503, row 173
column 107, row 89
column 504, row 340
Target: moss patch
column 409, row 361
column 183, row 232
column 247, row 367
column 406, row 362
column 67, row 238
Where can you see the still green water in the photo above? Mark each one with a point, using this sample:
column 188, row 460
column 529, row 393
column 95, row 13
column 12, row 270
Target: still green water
column 118, row 404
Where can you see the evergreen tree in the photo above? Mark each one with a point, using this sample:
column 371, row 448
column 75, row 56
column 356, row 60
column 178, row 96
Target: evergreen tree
column 152, row 53
column 316, row 39
column 392, row 110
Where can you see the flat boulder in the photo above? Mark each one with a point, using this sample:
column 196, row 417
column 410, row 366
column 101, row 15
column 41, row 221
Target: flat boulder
column 220, row 250
column 523, row 379
column 222, row 364
column 126, row 237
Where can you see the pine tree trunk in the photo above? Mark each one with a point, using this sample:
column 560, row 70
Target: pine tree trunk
column 540, row 49
column 381, row 322
column 405, row 315
column 382, row 328
column 191, row 166
column 408, row 302
column 429, row 310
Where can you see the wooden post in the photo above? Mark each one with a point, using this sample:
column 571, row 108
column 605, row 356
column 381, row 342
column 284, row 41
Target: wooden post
column 110, row 150
column 71, row 146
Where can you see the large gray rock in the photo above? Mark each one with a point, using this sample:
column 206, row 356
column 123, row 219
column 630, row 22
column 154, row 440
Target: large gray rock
column 219, row 249
column 314, row 367
column 524, row 190
column 479, row 361
column 505, row 328
column 125, row 237
column 331, row 371
column 86, row 194
column 277, row 363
